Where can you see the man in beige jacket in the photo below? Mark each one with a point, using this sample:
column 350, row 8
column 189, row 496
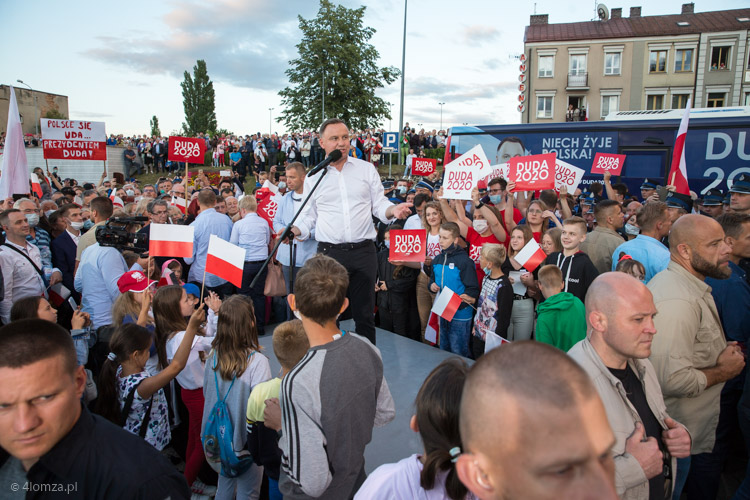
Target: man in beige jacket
column 691, row 356
column 620, row 315
column 601, row 243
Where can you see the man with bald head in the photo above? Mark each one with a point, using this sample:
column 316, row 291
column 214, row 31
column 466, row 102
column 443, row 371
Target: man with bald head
column 529, row 435
column 691, row 355
column 620, row 316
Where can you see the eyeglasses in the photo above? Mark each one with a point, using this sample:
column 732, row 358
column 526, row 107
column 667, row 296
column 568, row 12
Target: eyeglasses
column 535, row 212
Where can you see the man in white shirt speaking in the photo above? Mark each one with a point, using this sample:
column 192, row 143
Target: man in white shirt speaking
column 341, row 211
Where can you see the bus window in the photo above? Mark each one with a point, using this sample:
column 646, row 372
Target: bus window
column 644, row 163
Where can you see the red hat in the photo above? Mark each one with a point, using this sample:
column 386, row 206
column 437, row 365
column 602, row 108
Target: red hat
column 133, row 281
column 482, row 184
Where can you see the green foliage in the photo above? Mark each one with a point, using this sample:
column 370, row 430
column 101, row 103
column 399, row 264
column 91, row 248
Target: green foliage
column 334, row 56
column 155, row 127
column 198, row 100
column 55, row 113
column 222, row 131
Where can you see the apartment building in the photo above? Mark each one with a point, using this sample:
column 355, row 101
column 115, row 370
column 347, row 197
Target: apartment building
column 587, row 70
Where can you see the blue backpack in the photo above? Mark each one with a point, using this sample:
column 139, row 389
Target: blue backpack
column 218, row 435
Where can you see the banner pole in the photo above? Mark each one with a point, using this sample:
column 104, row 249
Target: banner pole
column 673, row 176
column 187, row 173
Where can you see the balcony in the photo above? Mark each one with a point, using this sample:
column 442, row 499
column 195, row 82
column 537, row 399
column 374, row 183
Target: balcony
column 578, row 81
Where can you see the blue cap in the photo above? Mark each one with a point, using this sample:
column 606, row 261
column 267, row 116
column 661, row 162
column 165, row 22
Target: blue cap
column 713, row 198
column 587, row 198
column 727, row 199
column 649, row 184
column 192, row 289
column 741, row 184
column 679, row 200
column 425, row 185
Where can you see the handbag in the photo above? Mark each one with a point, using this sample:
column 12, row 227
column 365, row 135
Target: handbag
column 275, row 284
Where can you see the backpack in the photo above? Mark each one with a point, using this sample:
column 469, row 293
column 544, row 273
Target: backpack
column 218, row 435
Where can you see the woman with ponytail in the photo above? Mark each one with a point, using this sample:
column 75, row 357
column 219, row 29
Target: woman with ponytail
column 432, row 475
column 128, row 395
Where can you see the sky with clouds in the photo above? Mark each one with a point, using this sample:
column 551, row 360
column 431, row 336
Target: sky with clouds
column 123, row 62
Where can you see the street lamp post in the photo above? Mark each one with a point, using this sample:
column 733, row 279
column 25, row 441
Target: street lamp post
column 390, row 120
column 270, row 128
column 441, row 115
column 36, row 109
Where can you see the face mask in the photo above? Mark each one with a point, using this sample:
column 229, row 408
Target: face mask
column 282, row 185
column 495, row 199
column 297, row 315
column 32, row 219
column 558, row 214
column 480, row 226
column 487, row 271
column 130, row 192
column 48, row 213
column 88, row 224
column 387, row 243
column 402, row 189
column 76, row 225
column 631, row 229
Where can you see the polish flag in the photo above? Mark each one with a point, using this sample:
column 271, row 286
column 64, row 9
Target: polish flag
column 225, row 260
column 678, row 170
column 15, row 168
column 531, row 255
column 170, row 240
column 180, row 203
column 58, row 294
column 36, row 188
column 432, row 331
column 446, row 304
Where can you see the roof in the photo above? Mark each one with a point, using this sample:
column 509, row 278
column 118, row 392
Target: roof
column 631, row 27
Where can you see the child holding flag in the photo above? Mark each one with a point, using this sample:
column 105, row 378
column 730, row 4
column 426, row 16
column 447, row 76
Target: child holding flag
column 495, row 304
column 453, row 273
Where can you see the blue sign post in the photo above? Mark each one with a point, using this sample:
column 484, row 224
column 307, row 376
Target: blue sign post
column 390, row 146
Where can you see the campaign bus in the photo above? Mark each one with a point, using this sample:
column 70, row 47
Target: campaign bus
column 717, row 147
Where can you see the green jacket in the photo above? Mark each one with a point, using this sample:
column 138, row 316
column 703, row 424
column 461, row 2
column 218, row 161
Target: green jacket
column 561, row 321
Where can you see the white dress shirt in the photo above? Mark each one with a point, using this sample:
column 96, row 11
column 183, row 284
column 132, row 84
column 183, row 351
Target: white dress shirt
column 413, row 222
column 73, row 237
column 342, row 207
column 20, row 278
column 253, row 234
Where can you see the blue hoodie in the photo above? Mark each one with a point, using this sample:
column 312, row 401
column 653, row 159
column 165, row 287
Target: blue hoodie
column 455, row 269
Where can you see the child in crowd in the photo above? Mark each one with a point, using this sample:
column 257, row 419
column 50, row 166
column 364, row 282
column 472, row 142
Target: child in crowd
column 193, row 293
column 171, row 307
column 333, row 398
column 525, row 290
column 626, row 264
column 455, row 270
column 495, row 303
column 551, row 241
column 171, row 273
column 396, row 293
column 577, row 269
column 233, row 368
column 129, row 395
column 561, row 318
column 134, row 303
column 431, row 475
column 289, row 345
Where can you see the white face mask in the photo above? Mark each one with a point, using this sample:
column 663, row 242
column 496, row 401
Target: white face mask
column 297, row 315
column 480, row 225
column 76, row 225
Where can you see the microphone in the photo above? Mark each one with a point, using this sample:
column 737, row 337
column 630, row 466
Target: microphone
column 333, row 157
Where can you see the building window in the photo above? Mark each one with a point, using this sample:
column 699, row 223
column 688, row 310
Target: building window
column 544, row 106
column 655, row 101
column 610, row 104
column 612, row 63
column 657, row 62
column 747, row 99
column 546, row 66
column 679, row 101
column 683, row 60
column 578, row 64
column 720, row 58
column 716, row 99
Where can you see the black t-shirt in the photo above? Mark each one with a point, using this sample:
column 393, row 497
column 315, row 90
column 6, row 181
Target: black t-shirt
column 634, row 390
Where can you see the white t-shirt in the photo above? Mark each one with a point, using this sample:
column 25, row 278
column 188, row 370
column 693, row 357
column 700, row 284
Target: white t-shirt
column 191, row 377
column 413, row 222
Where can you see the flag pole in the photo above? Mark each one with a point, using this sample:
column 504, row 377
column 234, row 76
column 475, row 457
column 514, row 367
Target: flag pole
column 672, row 181
column 203, row 285
column 187, row 174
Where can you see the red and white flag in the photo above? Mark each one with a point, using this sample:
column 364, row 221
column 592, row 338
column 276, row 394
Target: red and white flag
column 678, row 171
column 15, row 168
column 446, row 304
column 170, row 240
column 432, row 331
column 58, row 294
column 180, row 203
column 225, row 260
column 531, row 255
column 36, row 188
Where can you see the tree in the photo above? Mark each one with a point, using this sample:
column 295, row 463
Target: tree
column 198, row 100
column 335, row 60
column 55, row 113
column 155, row 127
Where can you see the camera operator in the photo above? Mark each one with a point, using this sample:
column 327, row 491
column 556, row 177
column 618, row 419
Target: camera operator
column 101, row 210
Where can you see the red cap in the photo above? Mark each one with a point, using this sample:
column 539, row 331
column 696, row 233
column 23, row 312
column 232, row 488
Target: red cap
column 133, row 281
column 482, row 184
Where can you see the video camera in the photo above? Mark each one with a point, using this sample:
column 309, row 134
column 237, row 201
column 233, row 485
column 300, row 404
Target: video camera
column 115, row 234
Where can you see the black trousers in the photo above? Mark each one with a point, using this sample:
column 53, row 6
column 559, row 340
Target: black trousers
column 362, row 266
column 256, row 293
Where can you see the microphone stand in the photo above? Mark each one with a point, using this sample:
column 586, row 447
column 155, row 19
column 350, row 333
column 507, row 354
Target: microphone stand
column 288, row 230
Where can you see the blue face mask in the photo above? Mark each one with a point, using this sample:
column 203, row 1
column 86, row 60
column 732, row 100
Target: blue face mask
column 402, row 190
column 88, row 224
column 487, row 270
column 495, row 199
column 387, row 243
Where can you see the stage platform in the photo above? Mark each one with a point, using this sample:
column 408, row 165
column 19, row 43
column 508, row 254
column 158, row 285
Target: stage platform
column 406, row 364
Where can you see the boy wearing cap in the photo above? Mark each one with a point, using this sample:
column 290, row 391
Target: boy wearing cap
column 712, row 203
column 740, row 194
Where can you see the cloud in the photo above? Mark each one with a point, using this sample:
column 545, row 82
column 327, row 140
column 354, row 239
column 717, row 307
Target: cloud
column 89, row 114
column 244, row 43
column 453, row 92
column 477, row 34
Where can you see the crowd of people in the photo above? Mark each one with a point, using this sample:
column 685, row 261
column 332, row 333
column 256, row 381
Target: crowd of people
column 647, row 294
